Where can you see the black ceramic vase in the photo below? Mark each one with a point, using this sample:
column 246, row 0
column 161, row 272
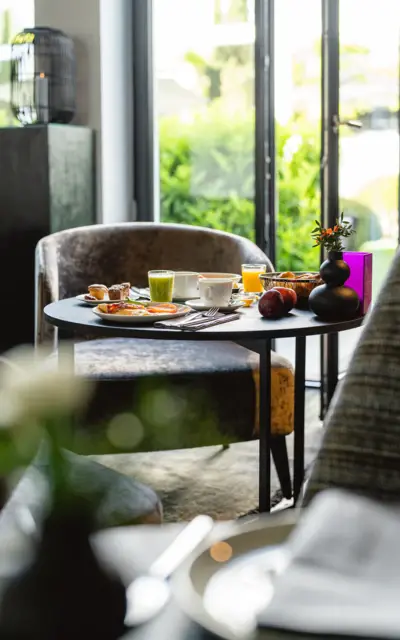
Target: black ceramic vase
column 332, row 300
column 64, row 593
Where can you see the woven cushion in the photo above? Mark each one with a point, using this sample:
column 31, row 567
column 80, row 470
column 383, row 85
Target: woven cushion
column 228, row 370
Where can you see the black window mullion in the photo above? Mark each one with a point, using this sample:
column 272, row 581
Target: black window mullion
column 265, row 169
column 143, row 111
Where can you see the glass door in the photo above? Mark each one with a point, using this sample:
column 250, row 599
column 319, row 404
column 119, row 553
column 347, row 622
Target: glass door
column 360, row 144
column 369, row 156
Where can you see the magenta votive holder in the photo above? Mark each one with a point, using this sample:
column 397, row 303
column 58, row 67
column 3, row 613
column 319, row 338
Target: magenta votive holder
column 360, row 279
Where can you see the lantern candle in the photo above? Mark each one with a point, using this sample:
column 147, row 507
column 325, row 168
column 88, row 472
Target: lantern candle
column 42, row 98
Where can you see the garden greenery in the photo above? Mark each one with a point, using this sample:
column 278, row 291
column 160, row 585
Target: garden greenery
column 207, row 178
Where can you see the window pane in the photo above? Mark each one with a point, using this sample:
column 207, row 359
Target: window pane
column 298, row 146
column 204, row 73
column 298, row 138
column 15, row 15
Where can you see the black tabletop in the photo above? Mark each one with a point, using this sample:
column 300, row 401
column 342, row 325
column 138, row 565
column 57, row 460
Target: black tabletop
column 76, row 317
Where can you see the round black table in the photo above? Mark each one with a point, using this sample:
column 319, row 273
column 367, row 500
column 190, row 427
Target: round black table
column 250, row 331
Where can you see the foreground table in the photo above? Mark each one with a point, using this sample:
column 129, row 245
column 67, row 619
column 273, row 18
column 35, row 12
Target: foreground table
column 252, row 332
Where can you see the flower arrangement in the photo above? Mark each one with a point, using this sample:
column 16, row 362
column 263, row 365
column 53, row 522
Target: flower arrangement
column 39, row 402
column 332, row 239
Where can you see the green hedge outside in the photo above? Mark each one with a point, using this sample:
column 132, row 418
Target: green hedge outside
column 207, row 179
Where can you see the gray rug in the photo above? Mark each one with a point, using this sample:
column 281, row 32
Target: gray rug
column 220, row 482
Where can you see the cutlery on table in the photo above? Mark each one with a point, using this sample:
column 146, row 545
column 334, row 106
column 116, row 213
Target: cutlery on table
column 205, row 323
column 195, row 317
column 148, row 594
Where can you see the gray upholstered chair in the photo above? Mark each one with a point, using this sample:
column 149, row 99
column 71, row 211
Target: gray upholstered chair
column 68, row 261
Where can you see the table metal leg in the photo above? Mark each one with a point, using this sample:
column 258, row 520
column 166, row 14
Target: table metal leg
column 265, row 426
column 333, row 369
column 66, row 349
column 329, row 370
column 299, row 410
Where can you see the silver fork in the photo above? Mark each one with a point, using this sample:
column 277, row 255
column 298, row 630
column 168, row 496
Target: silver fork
column 209, row 314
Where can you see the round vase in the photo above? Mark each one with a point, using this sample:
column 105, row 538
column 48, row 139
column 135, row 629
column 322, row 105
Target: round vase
column 334, row 301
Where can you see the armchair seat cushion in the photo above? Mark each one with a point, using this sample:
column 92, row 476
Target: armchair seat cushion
column 227, row 371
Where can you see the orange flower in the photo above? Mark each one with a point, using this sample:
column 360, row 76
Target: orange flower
column 329, row 232
column 336, row 228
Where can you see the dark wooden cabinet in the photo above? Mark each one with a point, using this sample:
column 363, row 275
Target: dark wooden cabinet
column 47, row 177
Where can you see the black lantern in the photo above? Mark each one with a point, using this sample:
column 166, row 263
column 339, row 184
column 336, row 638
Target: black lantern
column 43, row 85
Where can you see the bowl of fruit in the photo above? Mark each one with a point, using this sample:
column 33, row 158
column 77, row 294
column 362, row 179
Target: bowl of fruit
column 301, row 282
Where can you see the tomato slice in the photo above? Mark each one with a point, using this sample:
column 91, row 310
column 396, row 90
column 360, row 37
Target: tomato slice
column 163, row 308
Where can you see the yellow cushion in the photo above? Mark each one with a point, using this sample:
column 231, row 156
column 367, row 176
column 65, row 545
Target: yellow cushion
column 282, row 392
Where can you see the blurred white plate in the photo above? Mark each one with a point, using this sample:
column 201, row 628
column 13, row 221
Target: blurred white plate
column 157, row 317
column 223, row 587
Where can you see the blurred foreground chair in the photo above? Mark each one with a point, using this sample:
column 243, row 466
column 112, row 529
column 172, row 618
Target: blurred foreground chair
column 68, row 261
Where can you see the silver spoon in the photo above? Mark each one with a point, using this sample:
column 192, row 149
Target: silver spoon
column 148, row 594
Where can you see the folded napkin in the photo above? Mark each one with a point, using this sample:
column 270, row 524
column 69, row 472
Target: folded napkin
column 343, row 576
column 199, row 321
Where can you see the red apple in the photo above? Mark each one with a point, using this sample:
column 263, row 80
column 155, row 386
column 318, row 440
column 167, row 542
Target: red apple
column 289, row 297
column 271, row 305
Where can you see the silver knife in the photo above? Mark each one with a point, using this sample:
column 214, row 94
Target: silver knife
column 195, row 326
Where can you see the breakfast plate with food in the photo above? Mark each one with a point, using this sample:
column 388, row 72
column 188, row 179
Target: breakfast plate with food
column 139, row 312
column 98, row 293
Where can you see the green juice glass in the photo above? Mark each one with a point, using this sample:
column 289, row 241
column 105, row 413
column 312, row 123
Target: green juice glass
column 161, row 284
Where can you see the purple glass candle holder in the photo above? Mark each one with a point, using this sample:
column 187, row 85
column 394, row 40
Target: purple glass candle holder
column 360, row 279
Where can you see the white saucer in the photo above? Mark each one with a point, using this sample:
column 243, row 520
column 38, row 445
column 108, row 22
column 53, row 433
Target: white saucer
column 92, row 303
column 197, row 305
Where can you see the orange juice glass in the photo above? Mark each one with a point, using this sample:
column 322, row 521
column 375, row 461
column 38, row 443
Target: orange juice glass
column 251, row 277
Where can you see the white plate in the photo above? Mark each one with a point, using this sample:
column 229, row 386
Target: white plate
column 197, row 305
column 109, row 317
column 224, row 597
column 91, row 303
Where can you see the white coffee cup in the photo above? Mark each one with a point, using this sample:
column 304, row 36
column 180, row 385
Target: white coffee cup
column 215, row 292
column 186, row 285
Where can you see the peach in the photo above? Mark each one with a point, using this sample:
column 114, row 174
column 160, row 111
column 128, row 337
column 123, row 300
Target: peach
column 289, row 297
column 271, row 305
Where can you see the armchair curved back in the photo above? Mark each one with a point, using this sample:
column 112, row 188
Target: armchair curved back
column 68, row 261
